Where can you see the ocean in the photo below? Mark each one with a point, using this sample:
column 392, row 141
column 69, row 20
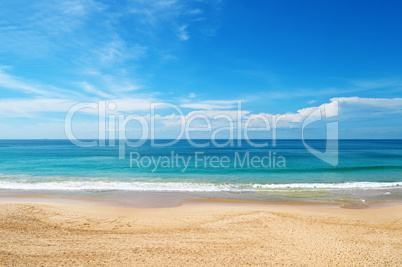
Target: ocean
column 366, row 170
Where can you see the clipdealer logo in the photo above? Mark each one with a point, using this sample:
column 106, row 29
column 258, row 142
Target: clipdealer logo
column 113, row 127
column 201, row 160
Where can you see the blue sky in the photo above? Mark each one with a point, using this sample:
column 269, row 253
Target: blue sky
column 278, row 57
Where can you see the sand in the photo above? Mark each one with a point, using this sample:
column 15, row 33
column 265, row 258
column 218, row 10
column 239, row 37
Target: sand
column 61, row 234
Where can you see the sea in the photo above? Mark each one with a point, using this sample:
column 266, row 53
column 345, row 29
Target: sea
column 170, row 172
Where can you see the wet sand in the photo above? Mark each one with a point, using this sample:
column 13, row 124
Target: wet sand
column 71, row 234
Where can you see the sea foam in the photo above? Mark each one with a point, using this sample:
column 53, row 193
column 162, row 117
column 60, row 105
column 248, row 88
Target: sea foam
column 188, row 187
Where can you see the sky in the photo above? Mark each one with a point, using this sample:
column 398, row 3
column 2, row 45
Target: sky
column 277, row 58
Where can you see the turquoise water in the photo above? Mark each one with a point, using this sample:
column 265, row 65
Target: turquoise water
column 60, row 165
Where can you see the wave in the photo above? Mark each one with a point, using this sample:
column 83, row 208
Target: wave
column 189, row 187
column 319, row 170
column 361, row 168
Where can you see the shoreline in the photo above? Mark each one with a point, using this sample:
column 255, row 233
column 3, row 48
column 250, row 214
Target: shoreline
column 196, row 201
column 373, row 205
column 51, row 233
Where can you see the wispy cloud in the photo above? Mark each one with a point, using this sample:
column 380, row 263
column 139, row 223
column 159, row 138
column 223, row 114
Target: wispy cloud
column 378, row 84
column 117, row 84
column 38, row 26
column 10, row 82
column 117, row 51
column 384, row 110
column 176, row 15
column 349, row 87
column 211, row 104
column 31, row 107
column 182, row 33
column 89, row 88
column 81, row 35
column 344, row 108
column 28, row 108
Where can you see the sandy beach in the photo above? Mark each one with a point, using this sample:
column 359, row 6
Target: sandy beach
column 61, row 234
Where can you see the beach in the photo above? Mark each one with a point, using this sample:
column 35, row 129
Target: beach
column 207, row 233
column 64, row 205
column 200, row 133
